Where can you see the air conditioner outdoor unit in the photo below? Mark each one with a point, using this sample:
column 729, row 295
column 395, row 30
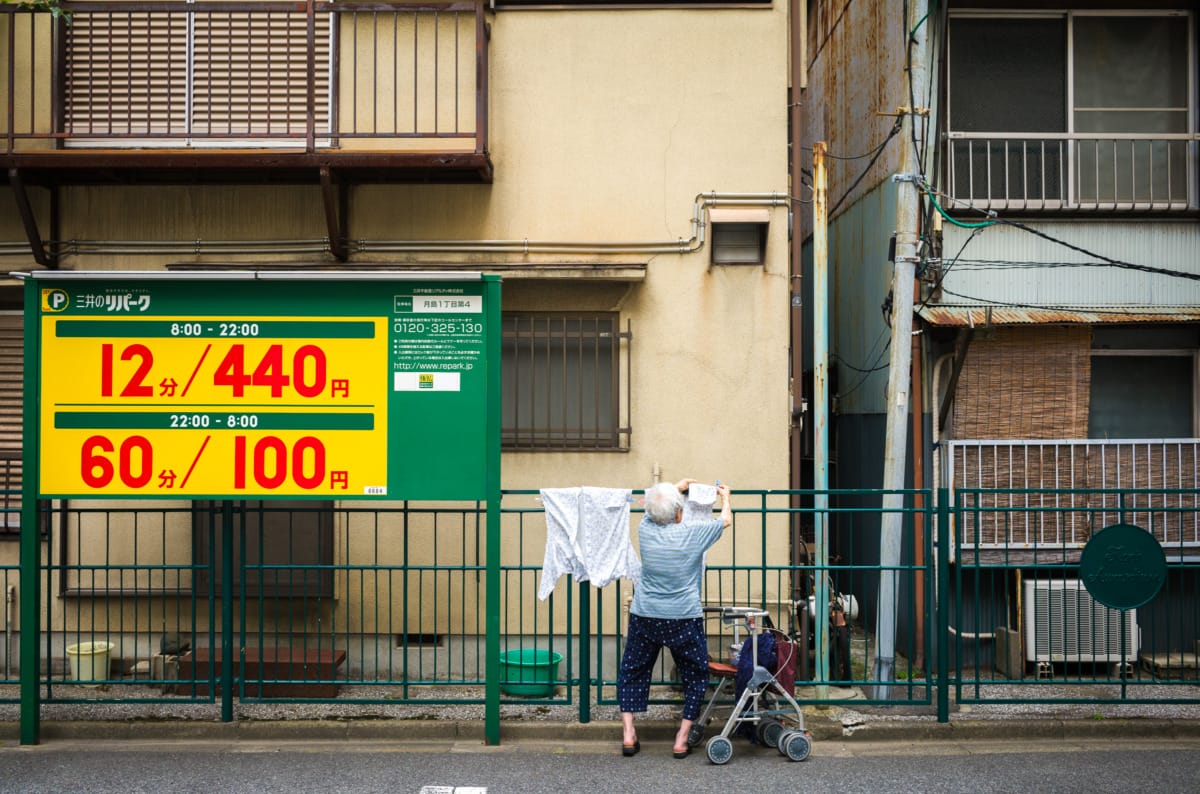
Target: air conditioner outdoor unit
column 1063, row 623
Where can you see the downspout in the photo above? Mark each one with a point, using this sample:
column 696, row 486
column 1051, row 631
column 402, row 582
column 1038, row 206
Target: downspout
column 797, row 45
column 920, row 524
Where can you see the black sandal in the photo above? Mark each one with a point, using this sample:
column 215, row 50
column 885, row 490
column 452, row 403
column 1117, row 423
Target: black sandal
column 628, row 750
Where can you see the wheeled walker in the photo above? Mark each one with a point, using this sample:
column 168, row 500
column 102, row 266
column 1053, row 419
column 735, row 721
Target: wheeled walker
column 765, row 706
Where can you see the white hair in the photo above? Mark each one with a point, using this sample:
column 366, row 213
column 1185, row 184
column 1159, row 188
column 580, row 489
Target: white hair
column 662, row 501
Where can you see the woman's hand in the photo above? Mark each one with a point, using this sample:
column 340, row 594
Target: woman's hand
column 683, row 484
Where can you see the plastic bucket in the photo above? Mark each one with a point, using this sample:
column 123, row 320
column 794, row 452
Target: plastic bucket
column 529, row 672
column 89, row 661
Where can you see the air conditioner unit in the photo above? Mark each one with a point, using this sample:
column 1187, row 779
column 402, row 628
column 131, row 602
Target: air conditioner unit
column 1063, row 623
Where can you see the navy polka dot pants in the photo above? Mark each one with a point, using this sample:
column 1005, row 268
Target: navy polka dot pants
column 689, row 647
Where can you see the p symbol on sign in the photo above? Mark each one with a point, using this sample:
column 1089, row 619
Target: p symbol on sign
column 55, row 300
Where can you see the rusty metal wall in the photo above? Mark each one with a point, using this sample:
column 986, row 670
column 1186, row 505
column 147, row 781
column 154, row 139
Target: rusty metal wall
column 855, row 74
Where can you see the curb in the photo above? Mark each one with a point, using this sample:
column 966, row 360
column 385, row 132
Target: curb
column 351, row 729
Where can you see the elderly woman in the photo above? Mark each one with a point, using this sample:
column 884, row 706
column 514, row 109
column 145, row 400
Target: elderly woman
column 666, row 608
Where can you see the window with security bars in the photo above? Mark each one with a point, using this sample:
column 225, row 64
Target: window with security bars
column 287, row 546
column 12, row 368
column 562, row 381
column 184, row 76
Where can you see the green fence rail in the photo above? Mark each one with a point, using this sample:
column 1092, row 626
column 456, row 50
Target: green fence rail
column 1023, row 626
column 278, row 602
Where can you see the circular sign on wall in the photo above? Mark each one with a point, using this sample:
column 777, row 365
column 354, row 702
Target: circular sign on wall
column 1123, row 566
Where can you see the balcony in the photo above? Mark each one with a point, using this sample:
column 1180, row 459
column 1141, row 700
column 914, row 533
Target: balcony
column 221, row 91
column 1069, row 172
column 1016, row 502
column 243, row 93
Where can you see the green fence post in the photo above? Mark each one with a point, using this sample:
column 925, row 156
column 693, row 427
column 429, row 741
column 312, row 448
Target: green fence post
column 491, row 715
column 942, row 606
column 31, row 542
column 227, row 611
column 585, row 652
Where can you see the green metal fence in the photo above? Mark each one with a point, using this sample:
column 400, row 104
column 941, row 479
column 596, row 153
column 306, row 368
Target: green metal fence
column 1024, row 628
column 278, row 602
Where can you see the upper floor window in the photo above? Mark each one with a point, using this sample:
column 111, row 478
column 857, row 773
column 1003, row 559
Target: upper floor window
column 1143, row 382
column 1075, row 110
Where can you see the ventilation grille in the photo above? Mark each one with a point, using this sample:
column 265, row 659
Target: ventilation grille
column 1063, row 623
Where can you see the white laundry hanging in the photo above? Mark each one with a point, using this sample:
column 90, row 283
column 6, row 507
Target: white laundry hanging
column 587, row 536
column 700, row 501
column 699, row 507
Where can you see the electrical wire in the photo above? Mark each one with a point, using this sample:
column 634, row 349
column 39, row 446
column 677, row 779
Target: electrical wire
column 1101, row 259
column 828, row 35
column 945, row 271
column 878, row 151
column 848, row 365
column 1014, row 264
column 871, row 153
column 875, row 367
column 1159, row 271
column 1167, row 311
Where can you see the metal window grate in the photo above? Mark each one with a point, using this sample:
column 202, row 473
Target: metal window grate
column 562, row 381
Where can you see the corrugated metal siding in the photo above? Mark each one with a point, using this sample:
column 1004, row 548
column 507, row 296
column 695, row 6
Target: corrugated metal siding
column 860, row 277
column 1007, row 265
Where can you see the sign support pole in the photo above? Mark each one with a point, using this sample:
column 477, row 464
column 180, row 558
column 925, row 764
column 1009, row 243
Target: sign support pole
column 492, row 456
column 31, row 542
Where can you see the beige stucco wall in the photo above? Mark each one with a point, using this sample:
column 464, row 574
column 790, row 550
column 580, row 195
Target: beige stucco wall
column 605, row 125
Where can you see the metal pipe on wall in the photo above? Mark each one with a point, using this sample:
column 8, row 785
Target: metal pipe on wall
column 513, row 246
column 798, row 40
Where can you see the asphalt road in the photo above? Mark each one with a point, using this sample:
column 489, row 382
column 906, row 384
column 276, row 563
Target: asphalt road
column 160, row 767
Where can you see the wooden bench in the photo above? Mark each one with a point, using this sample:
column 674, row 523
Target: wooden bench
column 276, row 672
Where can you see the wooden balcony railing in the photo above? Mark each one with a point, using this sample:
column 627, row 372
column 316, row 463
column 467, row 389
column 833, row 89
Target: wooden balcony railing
column 381, row 91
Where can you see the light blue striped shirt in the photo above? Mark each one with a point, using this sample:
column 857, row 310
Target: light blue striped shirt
column 672, row 556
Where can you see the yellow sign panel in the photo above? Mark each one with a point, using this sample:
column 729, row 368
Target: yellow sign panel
column 191, row 407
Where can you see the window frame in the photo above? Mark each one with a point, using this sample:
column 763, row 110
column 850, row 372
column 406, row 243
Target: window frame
column 540, row 437
column 1192, row 355
column 1065, row 145
column 206, row 513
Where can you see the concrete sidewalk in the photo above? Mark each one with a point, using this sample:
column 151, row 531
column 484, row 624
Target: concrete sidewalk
column 92, row 714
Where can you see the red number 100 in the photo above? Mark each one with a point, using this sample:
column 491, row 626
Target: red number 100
column 270, row 462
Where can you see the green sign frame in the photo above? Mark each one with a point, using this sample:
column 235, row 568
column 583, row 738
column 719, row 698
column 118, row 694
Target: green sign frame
column 234, row 388
column 325, row 385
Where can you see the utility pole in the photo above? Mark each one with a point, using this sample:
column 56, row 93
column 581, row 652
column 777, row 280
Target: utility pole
column 907, row 253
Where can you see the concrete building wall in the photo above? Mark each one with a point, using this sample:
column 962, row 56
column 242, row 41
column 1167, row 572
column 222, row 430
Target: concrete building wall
column 605, row 127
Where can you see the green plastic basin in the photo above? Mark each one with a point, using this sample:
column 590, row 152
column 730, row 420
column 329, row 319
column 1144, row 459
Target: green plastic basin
column 529, row 672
